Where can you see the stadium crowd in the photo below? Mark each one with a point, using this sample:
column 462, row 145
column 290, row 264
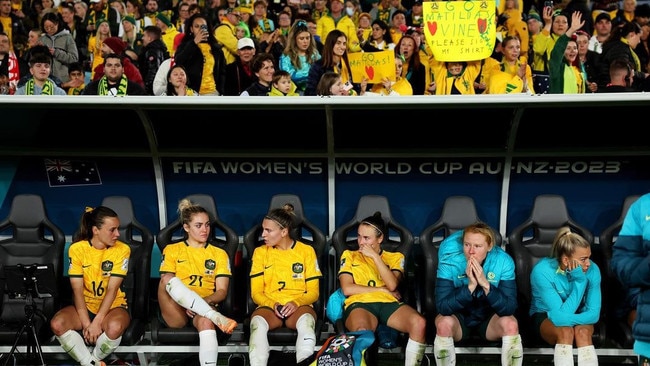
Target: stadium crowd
column 301, row 47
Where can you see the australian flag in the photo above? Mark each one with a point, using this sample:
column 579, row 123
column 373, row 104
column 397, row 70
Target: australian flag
column 66, row 173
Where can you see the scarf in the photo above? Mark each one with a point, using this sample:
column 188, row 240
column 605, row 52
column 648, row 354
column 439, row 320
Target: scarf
column 48, row 87
column 317, row 14
column 102, row 89
column 263, row 25
column 637, row 62
column 383, row 14
column 95, row 17
column 13, row 70
column 512, row 70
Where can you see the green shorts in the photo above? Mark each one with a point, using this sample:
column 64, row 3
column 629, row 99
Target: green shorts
column 381, row 310
column 537, row 319
column 478, row 330
column 93, row 315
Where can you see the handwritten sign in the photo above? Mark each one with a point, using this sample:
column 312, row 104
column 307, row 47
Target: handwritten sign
column 372, row 65
column 460, row 30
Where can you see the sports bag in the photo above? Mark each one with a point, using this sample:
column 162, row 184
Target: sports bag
column 346, row 349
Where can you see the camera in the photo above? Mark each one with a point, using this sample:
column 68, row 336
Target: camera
column 549, row 3
column 31, row 280
column 204, row 28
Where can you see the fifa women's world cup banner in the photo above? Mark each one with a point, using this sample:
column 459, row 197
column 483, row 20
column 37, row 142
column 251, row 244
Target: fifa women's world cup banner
column 460, row 30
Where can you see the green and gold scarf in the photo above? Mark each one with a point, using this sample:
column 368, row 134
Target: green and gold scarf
column 48, row 87
column 102, row 88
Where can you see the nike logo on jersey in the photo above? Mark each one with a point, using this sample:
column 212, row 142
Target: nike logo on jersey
column 180, row 261
column 86, row 266
column 355, row 265
column 267, row 267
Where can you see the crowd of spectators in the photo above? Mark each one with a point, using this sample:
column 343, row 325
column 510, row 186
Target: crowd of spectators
column 216, row 43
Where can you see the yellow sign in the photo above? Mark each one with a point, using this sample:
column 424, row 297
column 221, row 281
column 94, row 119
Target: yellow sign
column 372, row 65
column 460, row 30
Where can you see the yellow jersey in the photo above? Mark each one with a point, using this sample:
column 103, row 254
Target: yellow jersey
column 197, row 268
column 96, row 267
column 364, row 272
column 285, row 275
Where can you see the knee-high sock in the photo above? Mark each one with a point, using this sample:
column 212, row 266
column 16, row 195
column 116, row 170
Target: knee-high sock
column 414, row 353
column 192, row 301
column 512, row 351
column 444, row 351
column 73, row 344
column 258, row 343
column 208, row 347
column 587, row 356
column 563, row 355
column 306, row 339
column 105, row 346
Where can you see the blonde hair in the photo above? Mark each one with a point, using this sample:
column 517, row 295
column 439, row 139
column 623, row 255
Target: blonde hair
column 187, row 209
column 566, row 243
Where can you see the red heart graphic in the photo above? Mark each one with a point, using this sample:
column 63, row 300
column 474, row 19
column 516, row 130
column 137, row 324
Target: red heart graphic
column 433, row 27
column 482, row 25
column 370, row 71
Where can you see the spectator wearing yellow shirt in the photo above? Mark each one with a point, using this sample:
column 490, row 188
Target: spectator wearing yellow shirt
column 337, row 19
column 169, row 32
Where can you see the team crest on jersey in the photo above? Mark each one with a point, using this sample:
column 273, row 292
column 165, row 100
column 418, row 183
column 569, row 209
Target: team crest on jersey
column 491, row 276
column 297, row 268
column 107, row 267
column 210, row 264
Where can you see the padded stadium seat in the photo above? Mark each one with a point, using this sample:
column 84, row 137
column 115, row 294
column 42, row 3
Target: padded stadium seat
column 398, row 239
column 32, row 239
column 223, row 237
column 136, row 283
column 531, row 241
column 457, row 213
column 306, row 232
column 617, row 328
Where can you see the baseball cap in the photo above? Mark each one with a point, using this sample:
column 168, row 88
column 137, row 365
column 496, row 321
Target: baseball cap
column 245, row 42
column 603, row 15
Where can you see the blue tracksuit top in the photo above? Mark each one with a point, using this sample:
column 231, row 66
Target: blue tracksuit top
column 452, row 293
column 569, row 299
column 631, row 265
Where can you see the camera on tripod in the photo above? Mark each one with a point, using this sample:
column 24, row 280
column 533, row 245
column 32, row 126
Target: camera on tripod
column 31, row 280
column 28, row 283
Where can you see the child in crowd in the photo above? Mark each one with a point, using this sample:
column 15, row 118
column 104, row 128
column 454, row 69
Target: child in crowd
column 453, row 78
column 330, row 84
column 40, row 83
column 77, row 81
column 240, row 31
column 400, row 86
column 282, row 85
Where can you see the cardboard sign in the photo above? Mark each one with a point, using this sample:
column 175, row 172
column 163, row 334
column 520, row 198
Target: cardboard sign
column 460, row 30
column 372, row 65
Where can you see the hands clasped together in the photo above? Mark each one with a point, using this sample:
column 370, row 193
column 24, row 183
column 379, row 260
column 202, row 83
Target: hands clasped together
column 476, row 276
